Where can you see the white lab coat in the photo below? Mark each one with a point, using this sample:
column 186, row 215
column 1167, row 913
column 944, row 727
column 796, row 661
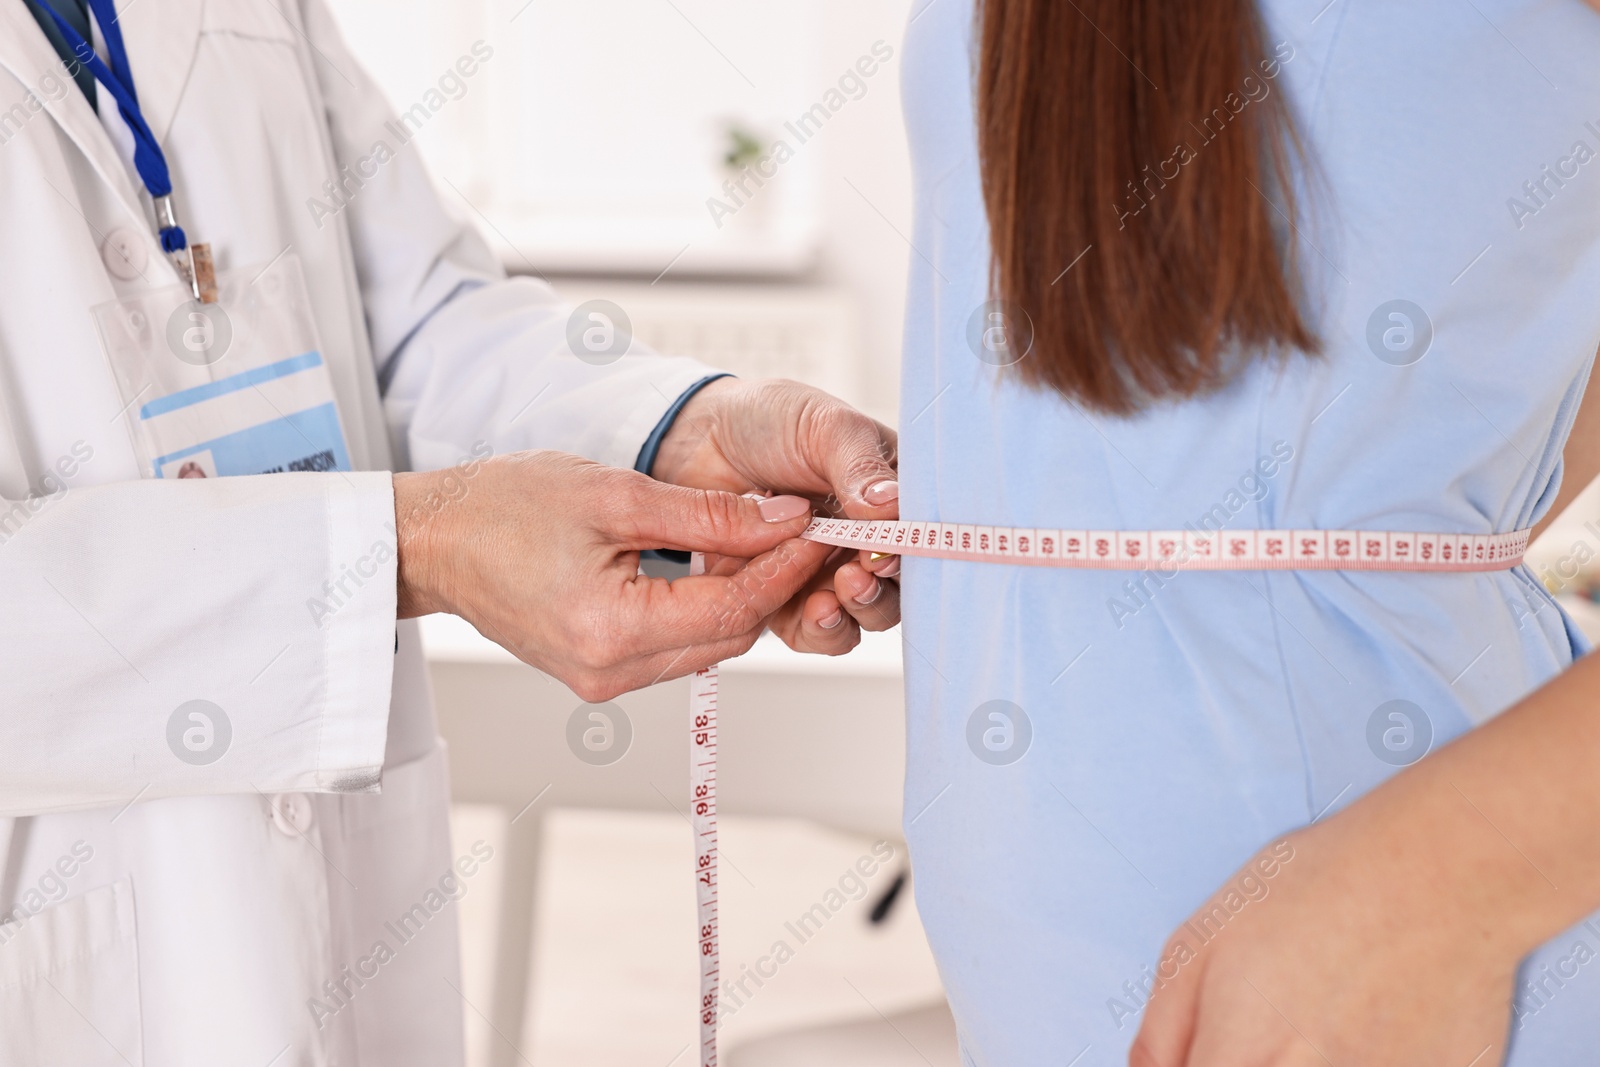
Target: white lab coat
column 172, row 914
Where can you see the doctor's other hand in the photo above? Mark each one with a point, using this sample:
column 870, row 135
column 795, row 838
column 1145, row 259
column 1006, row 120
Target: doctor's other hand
column 540, row 552
column 1353, row 941
column 775, row 436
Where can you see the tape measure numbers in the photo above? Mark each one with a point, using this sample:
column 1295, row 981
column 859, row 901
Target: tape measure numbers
column 703, row 820
column 703, row 824
column 1227, row 550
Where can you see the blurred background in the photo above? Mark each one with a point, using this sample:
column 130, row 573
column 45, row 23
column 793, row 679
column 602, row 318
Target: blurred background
column 595, row 142
column 630, row 150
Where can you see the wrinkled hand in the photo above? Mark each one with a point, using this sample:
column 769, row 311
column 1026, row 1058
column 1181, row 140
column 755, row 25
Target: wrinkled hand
column 1363, row 952
column 540, row 551
column 784, row 437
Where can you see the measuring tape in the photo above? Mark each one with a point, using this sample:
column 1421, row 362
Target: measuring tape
column 703, row 823
column 703, row 818
column 1228, row 550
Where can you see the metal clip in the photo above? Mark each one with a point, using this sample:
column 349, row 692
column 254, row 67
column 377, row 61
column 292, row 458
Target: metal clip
column 180, row 261
column 166, row 214
column 202, row 275
column 192, row 262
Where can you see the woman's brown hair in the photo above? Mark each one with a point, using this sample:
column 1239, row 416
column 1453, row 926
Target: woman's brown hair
column 1138, row 141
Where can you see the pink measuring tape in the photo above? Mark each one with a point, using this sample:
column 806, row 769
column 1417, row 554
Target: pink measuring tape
column 703, row 819
column 1226, row 550
column 703, row 824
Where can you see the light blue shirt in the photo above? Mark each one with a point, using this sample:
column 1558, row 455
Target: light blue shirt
column 1170, row 727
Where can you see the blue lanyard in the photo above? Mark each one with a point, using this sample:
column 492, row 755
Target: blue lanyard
column 148, row 158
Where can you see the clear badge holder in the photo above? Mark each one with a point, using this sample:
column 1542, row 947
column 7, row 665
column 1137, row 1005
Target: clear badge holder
column 239, row 386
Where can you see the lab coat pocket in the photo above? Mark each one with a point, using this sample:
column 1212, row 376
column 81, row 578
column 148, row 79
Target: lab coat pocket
column 69, row 983
column 239, row 386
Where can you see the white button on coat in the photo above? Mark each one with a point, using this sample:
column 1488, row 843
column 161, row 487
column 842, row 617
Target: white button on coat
column 291, row 813
column 126, row 253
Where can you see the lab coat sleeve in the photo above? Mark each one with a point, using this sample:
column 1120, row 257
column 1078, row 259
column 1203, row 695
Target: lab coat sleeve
column 171, row 638
column 466, row 356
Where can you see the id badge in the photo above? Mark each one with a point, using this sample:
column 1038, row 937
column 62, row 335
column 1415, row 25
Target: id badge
column 235, row 387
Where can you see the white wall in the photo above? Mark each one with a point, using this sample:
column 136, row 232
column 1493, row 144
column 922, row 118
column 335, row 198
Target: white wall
column 861, row 250
column 591, row 138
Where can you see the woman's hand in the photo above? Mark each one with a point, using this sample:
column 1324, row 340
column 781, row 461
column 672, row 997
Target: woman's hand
column 1351, row 952
column 540, row 551
column 1391, row 936
column 783, row 437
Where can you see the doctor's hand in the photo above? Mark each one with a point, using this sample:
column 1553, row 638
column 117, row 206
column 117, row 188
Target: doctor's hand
column 783, row 437
column 540, row 552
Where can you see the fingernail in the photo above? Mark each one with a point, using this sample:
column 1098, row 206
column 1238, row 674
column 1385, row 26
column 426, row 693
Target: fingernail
column 891, row 570
column 784, row 508
column 877, row 591
column 883, row 493
column 832, row 621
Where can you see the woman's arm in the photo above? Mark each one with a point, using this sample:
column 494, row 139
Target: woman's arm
column 1393, row 935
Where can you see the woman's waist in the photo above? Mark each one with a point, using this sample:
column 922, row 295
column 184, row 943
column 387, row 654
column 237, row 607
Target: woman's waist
column 1318, row 626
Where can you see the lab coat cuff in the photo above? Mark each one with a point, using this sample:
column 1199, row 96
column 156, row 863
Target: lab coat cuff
column 652, row 444
column 669, row 379
column 359, row 639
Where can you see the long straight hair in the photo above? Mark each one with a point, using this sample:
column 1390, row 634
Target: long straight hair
column 1143, row 144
